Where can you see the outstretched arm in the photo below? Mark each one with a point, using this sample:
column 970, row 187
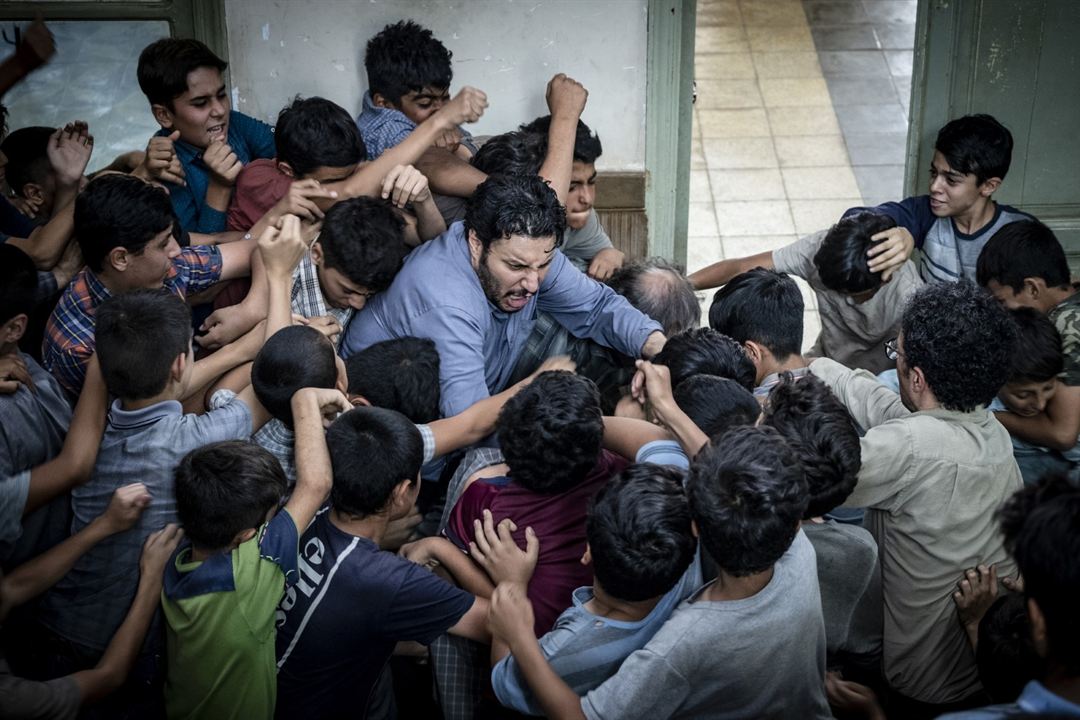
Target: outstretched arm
column 721, row 273
column 1057, row 427
column 312, row 408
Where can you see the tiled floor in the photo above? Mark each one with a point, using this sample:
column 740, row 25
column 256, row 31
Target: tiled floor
column 789, row 94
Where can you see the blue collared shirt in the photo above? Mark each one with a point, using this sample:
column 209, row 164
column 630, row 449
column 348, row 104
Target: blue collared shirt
column 249, row 138
column 1034, row 700
column 145, row 445
column 437, row 295
column 382, row 128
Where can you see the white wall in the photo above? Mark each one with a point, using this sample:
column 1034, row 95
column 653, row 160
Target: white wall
column 507, row 48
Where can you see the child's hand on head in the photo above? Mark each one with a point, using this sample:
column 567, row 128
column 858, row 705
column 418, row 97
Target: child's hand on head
column 282, row 248
column 160, row 163
column 328, row 325
column 978, row 590
column 466, row 107
column 652, row 383
column 126, row 507
column 69, row 152
column 330, row 402
column 510, row 614
column 566, row 96
column 157, row 550
column 300, row 200
column 405, row 184
column 892, row 249
column 495, row 550
column 222, row 162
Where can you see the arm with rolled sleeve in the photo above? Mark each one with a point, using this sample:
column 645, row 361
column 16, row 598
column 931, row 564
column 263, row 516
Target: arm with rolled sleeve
column 459, row 338
column 589, row 309
column 869, row 402
column 912, row 213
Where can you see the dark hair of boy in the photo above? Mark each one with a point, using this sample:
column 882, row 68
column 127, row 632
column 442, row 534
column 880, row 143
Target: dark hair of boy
column 550, row 432
column 507, row 205
column 1005, row 656
column 819, row 429
column 225, row 488
column 639, row 532
column 28, row 160
column 659, row 289
column 18, row 283
column 372, row 450
column 164, row 66
column 716, row 404
column 962, row 340
column 841, row 261
column 761, row 306
column 363, row 239
column 706, row 351
column 976, row 144
column 400, row 374
column 3, row 120
column 119, row 211
column 314, row 132
column 294, row 357
column 1020, row 250
column 587, row 147
column 138, row 336
column 512, row 153
column 405, row 57
column 747, row 495
column 1038, row 357
column 1040, row 523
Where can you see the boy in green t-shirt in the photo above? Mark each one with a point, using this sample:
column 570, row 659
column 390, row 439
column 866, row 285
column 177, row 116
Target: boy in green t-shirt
column 222, row 588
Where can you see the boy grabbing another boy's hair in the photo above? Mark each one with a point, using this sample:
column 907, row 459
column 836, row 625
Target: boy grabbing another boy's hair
column 221, row 590
column 747, row 494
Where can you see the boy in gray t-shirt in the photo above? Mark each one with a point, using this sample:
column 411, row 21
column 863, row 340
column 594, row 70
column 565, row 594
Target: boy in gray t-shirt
column 749, row 644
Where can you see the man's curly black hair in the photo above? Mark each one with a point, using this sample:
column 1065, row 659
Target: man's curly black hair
column 550, row 432
column 962, row 340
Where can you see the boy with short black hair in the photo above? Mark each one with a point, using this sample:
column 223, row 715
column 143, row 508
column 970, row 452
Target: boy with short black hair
column 223, row 586
column 1024, row 265
column 203, row 143
column 545, row 489
column 747, row 494
column 763, row 310
column 400, row 374
column 330, row 656
column 705, row 351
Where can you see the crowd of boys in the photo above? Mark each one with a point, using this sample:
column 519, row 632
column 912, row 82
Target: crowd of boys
column 369, row 418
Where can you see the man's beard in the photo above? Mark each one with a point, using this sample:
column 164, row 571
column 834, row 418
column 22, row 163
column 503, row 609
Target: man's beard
column 488, row 282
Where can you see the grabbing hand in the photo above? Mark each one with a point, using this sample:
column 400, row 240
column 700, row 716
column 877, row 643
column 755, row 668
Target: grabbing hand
column 69, row 151
column 422, row 552
column 126, row 507
column 281, row 249
column 405, row 184
column 652, row 382
column 851, row 698
column 223, row 326
column 328, row 325
column 27, row 206
column 13, row 373
column 510, row 614
column 331, row 402
column 605, row 262
column 566, row 96
column 449, row 140
column 466, row 107
column 157, row 550
column 495, row 550
column 978, row 590
column 892, row 249
column 300, row 201
column 222, row 162
column 160, row 163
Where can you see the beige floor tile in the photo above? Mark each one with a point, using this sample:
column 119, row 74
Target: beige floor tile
column 699, row 186
column 737, row 246
column 811, row 328
column 820, row 182
column 702, row 252
column 702, row 220
column 811, row 121
column 728, row 153
column 808, row 296
column 727, row 94
column 813, row 215
column 718, row 13
column 767, row 217
column 772, row 12
column 697, row 154
column 723, row 66
column 783, row 37
column 753, row 184
column 746, row 122
column 811, row 151
column 787, row 64
column 799, row 92
column 721, row 39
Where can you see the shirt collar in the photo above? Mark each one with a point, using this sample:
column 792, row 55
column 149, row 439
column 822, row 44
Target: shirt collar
column 131, row 419
column 215, row 574
column 772, row 380
column 1037, row 699
column 95, row 288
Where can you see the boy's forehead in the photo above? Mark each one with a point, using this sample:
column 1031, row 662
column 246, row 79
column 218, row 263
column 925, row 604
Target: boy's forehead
column 941, row 165
column 429, row 92
column 203, row 80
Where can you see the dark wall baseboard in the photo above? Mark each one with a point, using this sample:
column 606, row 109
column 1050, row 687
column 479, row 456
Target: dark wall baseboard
column 620, row 203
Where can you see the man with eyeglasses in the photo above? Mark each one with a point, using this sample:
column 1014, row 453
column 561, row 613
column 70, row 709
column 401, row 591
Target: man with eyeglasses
column 935, row 467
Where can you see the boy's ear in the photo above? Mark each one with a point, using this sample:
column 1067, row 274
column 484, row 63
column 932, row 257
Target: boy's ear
column 379, row 101
column 243, row 536
column 179, row 364
column 476, row 249
column 163, row 115
column 34, row 193
column 586, row 559
column 12, row 331
column 316, row 252
column 694, row 530
column 285, row 169
column 990, row 186
column 400, row 497
column 359, row 401
column 754, row 351
column 118, row 258
column 1034, row 287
